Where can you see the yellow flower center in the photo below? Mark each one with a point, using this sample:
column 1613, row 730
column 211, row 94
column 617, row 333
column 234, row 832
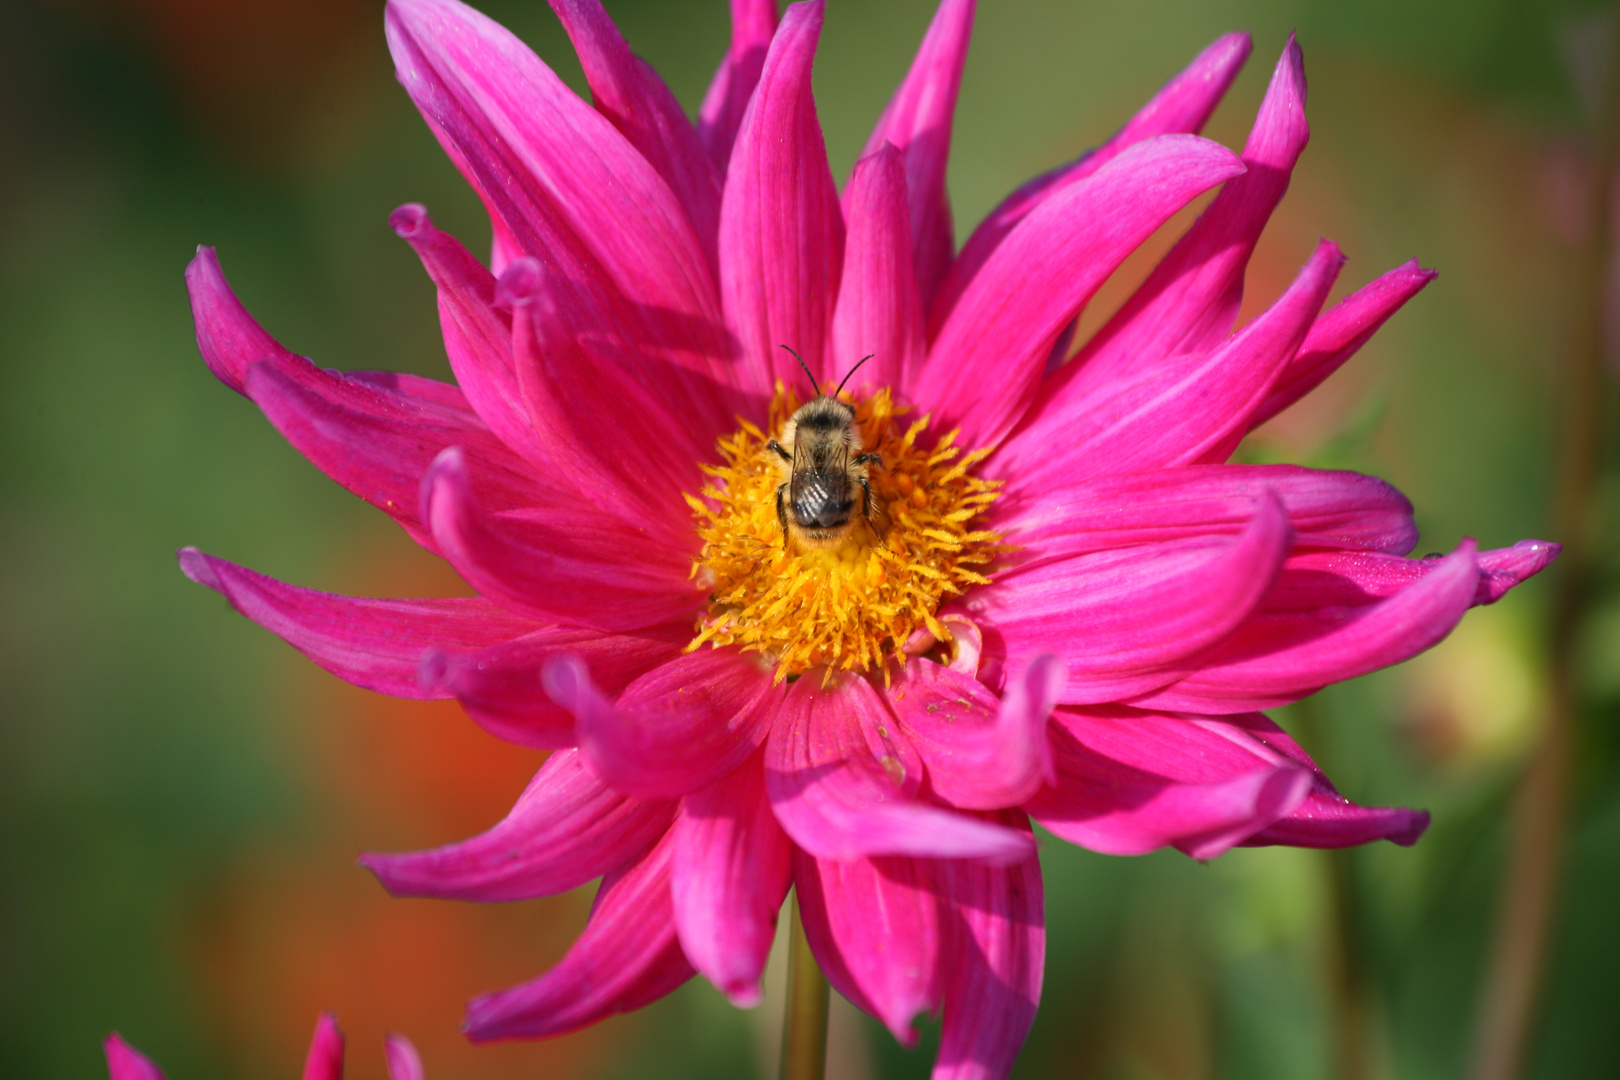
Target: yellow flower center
column 856, row 603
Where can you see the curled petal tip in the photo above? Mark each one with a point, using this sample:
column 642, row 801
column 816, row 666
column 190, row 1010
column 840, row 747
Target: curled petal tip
column 433, row 671
column 564, row 677
column 744, row 995
column 194, row 564
column 409, row 220
column 519, row 283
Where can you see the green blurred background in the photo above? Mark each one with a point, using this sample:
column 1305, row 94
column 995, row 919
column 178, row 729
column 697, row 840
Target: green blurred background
column 182, row 797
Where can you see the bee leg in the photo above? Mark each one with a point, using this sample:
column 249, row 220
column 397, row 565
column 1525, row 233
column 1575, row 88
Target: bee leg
column 867, row 504
column 776, row 448
column 781, row 511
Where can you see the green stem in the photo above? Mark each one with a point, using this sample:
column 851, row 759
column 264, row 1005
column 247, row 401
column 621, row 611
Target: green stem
column 804, row 1027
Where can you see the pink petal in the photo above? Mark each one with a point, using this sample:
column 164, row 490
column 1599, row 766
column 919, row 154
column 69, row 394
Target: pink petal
column 376, row 644
column 581, row 568
column 983, row 366
column 124, row 1062
column 227, row 336
column 679, row 727
column 566, row 828
column 981, row 754
column 753, row 23
column 731, row 870
column 325, row 1058
column 404, row 1063
column 1189, row 301
column 500, row 685
column 631, row 95
column 1130, row 782
column 838, row 800
column 878, row 312
column 917, row 122
column 1287, row 653
column 627, row 957
column 1327, row 509
column 1189, row 410
column 1339, row 333
column 377, row 443
column 1182, row 107
column 1124, row 620
column 781, row 230
column 996, row 958
column 873, row 925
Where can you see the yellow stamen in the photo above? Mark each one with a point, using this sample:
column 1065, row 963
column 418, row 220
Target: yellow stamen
column 852, row 606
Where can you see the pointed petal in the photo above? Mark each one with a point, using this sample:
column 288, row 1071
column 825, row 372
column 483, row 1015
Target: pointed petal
column 1180, row 108
column 917, row 122
column 581, row 568
column 981, row 754
column 1327, row 509
column 631, row 95
column 873, row 925
column 781, row 230
column 1339, row 333
column 878, row 312
column 730, row 873
column 325, row 1058
column 753, row 23
column 1189, row 301
column 124, row 1062
column 680, row 727
column 371, row 643
column 1130, row 782
column 983, row 367
column 996, row 959
column 1122, row 621
column 1293, row 649
column 227, row 336
column 1190, row 410
column 566, row 828
column 627, row 957
column 500, row 686
column 404, row 1063
column 837, row 800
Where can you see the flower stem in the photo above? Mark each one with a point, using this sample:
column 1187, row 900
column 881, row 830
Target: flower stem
column 804, row 1028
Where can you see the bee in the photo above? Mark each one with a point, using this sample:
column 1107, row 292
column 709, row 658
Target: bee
column 824, row 473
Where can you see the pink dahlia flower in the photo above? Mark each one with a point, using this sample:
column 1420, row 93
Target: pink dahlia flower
column 1059, row 603
column 324, row 1061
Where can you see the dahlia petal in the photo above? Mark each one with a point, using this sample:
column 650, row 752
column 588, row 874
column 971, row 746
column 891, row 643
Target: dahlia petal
column 730, row 873
column 610, row 436
column 404, row 1063
column 227, row 336
column 1283, row 655
column 781, row 229
column 1503, row 568
column 996, row 958
column 982, row 369
column 917, row 122
column 1327, row 508
column 1339, row 333
column 124, row 1062
column 627, row 957
column 1181, row 108
column 878, row 313
column 1189, row 410
column 873, row 926
column 1347, row 580
column 371, row 643
column 377, row 443
column 324, row 1061
column 1189, row 301
column 838, row 800
column 678, row 728
column 632, row 96
column 753, row 23
column 1129, row 782
column 1122, row 620
column 582, row 568
column 566, row 828
column 981, row 754
column 500, row 686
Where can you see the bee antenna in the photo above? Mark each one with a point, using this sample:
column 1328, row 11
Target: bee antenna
column 852, row 371
column 800, row 359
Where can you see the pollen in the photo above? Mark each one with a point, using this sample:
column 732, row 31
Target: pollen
column 853, row 606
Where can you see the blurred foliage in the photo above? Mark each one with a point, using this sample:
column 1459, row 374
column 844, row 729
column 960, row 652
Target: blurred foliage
column 181, row 798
